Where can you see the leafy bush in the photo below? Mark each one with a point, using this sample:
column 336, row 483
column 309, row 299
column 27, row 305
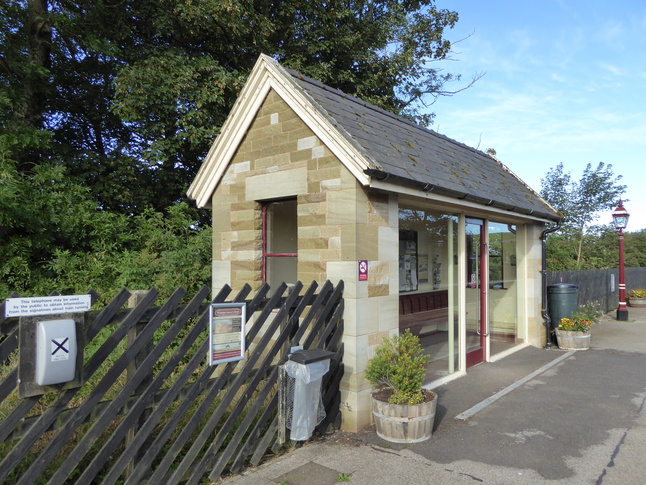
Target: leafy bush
column 55, row 237
column 591, row 312
column 154, row 249
column 400, row 365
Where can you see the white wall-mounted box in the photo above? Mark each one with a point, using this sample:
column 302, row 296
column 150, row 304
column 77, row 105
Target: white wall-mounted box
column 56, row 348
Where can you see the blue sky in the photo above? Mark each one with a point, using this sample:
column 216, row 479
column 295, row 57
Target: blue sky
column 565, row 82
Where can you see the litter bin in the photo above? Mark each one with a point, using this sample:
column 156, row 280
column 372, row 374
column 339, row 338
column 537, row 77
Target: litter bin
column 561, row 303
column 307, row 368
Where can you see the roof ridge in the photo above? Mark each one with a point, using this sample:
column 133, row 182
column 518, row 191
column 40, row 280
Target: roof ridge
column 374, row 144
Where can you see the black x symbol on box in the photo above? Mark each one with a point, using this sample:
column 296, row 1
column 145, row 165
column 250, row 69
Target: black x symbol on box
column 60, row 346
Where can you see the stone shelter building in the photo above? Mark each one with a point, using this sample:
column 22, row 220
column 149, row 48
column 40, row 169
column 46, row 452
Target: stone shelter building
column 308, row 184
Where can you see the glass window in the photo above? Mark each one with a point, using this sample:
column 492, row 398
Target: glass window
column 502, row 255
column 428, row 286
column 280, row 242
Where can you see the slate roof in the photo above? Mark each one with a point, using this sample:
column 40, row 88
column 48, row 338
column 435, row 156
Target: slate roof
column 407, row 154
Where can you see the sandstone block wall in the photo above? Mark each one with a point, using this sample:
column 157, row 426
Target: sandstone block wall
column 339, row 223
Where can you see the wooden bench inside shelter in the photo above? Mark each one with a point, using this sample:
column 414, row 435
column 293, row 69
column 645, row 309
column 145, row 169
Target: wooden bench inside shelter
column 423, row 313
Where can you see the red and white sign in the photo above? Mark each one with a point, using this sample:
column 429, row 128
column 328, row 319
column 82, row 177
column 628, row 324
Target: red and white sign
column 363, row 270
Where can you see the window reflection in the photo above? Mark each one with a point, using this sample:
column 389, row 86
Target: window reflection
column 428, row 285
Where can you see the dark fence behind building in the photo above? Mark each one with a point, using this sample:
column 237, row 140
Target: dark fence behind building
column 599, row 285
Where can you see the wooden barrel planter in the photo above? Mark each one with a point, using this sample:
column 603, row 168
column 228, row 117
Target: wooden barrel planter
column 404, row 423
column 636, row 302
column 572, row 340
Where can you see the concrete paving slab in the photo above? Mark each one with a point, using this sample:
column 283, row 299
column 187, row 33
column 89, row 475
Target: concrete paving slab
column 310, row 471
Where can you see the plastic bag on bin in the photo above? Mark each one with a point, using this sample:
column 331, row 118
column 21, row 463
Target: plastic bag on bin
column 307, row 397
column 307, row 372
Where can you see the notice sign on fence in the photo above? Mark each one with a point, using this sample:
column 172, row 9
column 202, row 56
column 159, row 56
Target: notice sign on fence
column 227, row 332
column 47, row 305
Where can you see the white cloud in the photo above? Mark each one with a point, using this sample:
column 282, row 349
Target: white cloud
column 612, row 69
column 567, row 90
column 560, row 77
column 612, row 31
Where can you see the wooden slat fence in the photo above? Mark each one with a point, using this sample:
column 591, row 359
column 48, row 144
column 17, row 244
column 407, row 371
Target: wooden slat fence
column 151, row 409
column 596, row 285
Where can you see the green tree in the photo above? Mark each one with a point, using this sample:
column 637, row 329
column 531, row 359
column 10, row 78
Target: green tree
column 600, row 250
column 55, row 237
column 635, row 248
column 579, row 203
column 164, row 250
column 61, row 240
column 108, row 107
column 39, row 211
column 133, row 92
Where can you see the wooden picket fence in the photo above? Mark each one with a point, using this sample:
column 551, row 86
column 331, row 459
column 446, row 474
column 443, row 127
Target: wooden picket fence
column 151, row 409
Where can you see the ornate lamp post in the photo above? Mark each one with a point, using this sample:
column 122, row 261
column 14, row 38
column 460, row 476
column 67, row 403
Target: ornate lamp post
column 620, row 218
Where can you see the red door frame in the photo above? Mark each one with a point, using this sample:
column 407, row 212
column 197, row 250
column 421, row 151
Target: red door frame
column 478, row 355
column 265, row 240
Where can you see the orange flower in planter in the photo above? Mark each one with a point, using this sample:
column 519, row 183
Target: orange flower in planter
column 575, row 325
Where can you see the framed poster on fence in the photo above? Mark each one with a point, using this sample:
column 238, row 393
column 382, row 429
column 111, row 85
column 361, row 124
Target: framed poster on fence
column 227, row 332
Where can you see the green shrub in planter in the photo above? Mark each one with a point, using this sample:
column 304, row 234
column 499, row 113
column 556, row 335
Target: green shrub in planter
column 399, row 365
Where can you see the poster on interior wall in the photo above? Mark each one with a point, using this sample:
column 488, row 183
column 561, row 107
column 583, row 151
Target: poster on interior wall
column 437, row 276
column 408, row 280
column 423, row 268
column 227, row 332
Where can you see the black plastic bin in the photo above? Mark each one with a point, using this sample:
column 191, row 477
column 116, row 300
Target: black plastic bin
column 561, row 302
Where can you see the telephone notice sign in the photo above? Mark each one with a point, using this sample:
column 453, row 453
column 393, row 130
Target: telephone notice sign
column 47, row 305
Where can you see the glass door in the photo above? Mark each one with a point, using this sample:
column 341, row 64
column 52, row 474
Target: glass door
column 476, row 291
column 506, row 328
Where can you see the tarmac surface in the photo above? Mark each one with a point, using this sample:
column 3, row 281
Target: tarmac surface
column 575, row 417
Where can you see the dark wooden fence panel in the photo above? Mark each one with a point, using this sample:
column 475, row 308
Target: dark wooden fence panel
column 151, row 409
column 635, row 278
column 599, row 285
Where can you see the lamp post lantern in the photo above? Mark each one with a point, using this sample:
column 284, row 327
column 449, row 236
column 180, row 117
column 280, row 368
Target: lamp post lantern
column 620, row 218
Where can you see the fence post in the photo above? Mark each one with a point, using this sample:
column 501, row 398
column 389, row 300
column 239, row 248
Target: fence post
column 133, row 301
column 282, row 403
